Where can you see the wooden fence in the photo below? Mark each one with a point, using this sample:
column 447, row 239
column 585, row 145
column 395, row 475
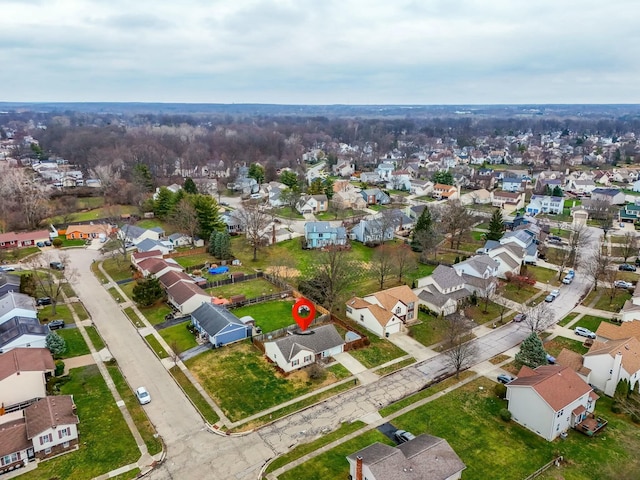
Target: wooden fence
column 186, row 253
column 556, row 461
column 234, row 279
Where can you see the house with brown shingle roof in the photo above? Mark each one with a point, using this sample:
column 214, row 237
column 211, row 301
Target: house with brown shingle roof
column 23, row 239
column 186, row 296
column 14, row 445
column 444, row 192
column 373, row 317
column 509, row 202
column 23, row 375
column 52, row 425
column 137, row 257
column 88, row 231
column 550, row 399
column 158, row 266
column 401, row 301
column 610, row 331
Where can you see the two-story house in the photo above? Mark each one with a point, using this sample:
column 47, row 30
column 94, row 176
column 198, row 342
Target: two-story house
column 508, row 201
column 545, row 204
column 323, row 234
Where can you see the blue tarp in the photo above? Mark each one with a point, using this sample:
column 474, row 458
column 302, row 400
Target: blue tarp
column 215, row 271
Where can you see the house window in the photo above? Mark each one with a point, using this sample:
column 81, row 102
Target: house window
column 8, row 459
column 295, row 363
column 349, row 310
column 64, row 432
column 48, row 438
column 361, row 318
column 47, row 451
column 398, row 310
column 307, row 359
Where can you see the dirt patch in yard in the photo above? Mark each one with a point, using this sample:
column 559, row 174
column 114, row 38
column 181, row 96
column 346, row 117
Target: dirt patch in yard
column 283, row 272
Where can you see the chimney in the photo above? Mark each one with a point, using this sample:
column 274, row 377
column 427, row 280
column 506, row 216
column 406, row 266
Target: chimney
column 358, row 468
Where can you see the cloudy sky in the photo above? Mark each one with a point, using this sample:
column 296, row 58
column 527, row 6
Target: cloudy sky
column 321, row 51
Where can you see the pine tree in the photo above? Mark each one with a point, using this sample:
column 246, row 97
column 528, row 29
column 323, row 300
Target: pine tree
column 532, row 352
column 190, row 186
column 147, row 291
column 163, row 203
column 208, row 214
column 557, row 191
column 496, row 226
column 56, row 344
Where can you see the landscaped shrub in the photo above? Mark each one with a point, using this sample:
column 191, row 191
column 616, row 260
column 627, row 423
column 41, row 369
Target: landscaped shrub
column 505, row 415
column 500, row 390
column 316, row 372
column 57, row 242
column 59, row 370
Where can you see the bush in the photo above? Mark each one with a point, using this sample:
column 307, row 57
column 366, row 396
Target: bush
column 57, row 242
column 505, row 414
column 616, row 407
column 316, row 372
column 500, row 390
column 59, row 370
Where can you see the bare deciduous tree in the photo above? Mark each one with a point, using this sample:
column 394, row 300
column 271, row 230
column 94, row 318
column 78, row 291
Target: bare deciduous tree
column 50, row 282
column 456, row 222
column 629, row 246
column 404, row 260
column 254, row 219
column 538, row 317
column 598, row 265
column 460, row 351
column 184, row 218
column 571, row 255
column 382, row 263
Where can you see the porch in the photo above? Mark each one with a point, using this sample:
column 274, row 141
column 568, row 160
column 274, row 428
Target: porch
column 591, row 425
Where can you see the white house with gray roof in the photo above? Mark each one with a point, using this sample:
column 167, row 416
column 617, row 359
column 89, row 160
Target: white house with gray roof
column 300, row 349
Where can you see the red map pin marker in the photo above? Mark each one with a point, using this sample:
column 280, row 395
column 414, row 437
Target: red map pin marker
column 308, row 309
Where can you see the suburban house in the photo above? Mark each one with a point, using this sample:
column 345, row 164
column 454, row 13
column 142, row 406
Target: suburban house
column 349, row 199
column 420, row 187
column 550, row 399
column 157, row 266
column 135, row 234
column 344, row 169
column 508, row 255
column 184, row 240
column 400, row 180
column 375, row 196
column 385, row 169
column 233, row 223
column 373, row 317
column 581, row 187
column 612, row 361
column 631, row 308
column 23, row 375
column 443, row 290
column 52, row 425
column 508, row 201
column 545, row 204
column 137, row 257
column 172, row 277
column 313, row 204
column 370, row 178
column 444, row 192
column 23, row 332
column 322, row 234
column 476, row 197
column 149, row 245
column 373, row 230
column 526, row 240
column 185, row 296
column 479, row 266
column 612, row 196
column 385, row 311
column 297, row 350
column 629, row 213
column 424, row 457
column 88, row 232
column 17, row 304
column 218, row 325
column 26, row 239
column 513, row 184
column 9, row 283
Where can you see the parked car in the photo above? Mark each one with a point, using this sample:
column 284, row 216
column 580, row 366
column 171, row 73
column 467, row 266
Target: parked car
column 47, row 243
column 56, row 265
column 519, row 317
column 549, row 298
column 7, row 269
column 505, row 378
column 555, row 292
column 567, row 280
column 143, row 396
column 584, row 332
column 403, row 436
column 555, row 238
column 551, row 359
column 43, row 301
column 40, row 244
column 622, row 284
column 626, row 267
column 55, row 324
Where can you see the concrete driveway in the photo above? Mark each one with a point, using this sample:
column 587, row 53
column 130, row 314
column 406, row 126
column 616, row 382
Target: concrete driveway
column 411, row 346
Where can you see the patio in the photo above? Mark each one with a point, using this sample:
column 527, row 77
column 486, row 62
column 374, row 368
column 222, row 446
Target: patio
column 591, row 425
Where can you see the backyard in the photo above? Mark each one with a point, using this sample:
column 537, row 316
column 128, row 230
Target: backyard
column 269, row 316
column 250, row 289
column 240, row 380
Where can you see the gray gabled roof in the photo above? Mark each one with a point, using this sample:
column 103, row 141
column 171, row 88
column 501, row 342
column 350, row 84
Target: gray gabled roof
column 132, row 231
column 147, row 245
column 6, row 279
column 446, row 277
column 18, row 326
column 13, row 300
column 317, row 340
column 213, row 318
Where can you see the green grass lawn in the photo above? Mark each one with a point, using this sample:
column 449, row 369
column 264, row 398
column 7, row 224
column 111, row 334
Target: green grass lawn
column 429, row 332
column 380, row 351
column 133, row 317
column 203, row 407
column 80, row 311
column 117, row 268
column 288, row 212
column 566, row 320
column 195, row 260
column 333, row 465
column 155, row 346
column 127, row 289
column 183, row 338
column 396, row 366
column 76, row 345
column 62, row 312
column 19, row 253
column 555, row 346
column 250, row 289
column 269, row 316
column 544, row 275
column 75, row 242
column 242, row 383
column 305, row 448
column 152, row 223
column 591, row 322
column 68, row 290
column 106, row 442
column 95, row 338
column 480, row 316
column 609, row 305
column 523, row 295
column 144, row 426
column 154, row 314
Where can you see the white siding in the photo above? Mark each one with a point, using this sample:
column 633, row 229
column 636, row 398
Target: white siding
column 20, row 388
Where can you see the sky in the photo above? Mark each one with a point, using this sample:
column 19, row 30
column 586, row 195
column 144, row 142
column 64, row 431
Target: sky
column 320, row 51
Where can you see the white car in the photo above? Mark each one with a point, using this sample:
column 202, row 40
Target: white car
column 584, row 332
column 143, row 396
column 622, row 284
column 554, row 293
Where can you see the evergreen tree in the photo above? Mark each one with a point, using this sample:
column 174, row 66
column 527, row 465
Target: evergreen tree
column 290, row 179
column 424, row 225
column 532, row 352
column 316, row 187
column 496, row 226
column 220, row 245
column 163, row 203
column 443, row 177
column 190, row 186
column 147, row 291
column 142, row 177
column 557, row 191
column 208, row 215
column 547, row 190
column 328, row 187
column 56, row 344
column 256, row 172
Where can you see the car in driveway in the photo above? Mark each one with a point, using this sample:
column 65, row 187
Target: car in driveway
column 143, row 396
column 551, row 359
column 520, row 317
column 626, row 267
column 403, row 436
column 622, row 284
column 584, row 332
column 56, row 265
column 56, row 324
column 555, row 292
column 505, row 378
column 42, row 301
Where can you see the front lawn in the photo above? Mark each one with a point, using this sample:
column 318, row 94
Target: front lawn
column 555, row 346
column 155, row 346
column 521, row 295
column 378, row 352
column 106, row 442
column 615, row 304
column 62, row 312
column 117, row 268
column 154, row 314
column 567, row 320
column 269, row 316
column 243, row 383
column 95, row 338
column 544, row 275
column 183, row 338
column 590, row 322
column 199, row 402
column 76, row 345
column 430, row 331
column 477, row 312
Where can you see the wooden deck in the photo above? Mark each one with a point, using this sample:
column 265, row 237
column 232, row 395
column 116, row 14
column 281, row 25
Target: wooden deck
column 591, row 425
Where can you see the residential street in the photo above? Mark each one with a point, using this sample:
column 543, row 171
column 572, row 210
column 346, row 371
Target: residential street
column 195, row 452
